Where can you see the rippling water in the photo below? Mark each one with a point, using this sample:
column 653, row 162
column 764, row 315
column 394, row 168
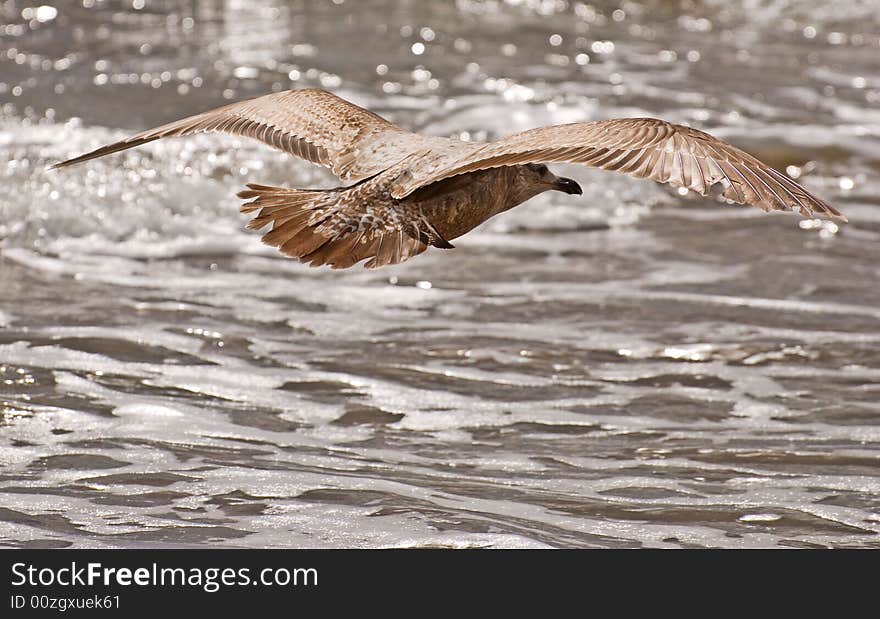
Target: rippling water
column 625, row 368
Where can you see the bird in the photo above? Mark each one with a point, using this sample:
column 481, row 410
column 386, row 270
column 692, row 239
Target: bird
column 410, row 191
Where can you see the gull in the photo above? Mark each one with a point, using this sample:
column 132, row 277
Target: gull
column 411, row 191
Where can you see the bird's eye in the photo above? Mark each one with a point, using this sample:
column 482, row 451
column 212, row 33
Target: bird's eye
column 540, row 168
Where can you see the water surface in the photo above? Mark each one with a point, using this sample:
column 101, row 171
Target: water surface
column 626, row 368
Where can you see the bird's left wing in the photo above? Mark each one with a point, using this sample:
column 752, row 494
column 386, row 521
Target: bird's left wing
column 644, row 148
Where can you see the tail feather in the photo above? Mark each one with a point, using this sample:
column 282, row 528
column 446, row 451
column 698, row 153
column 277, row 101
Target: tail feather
column 303, row 242
column 268, row 198
column 312, row 226
column 301, row 216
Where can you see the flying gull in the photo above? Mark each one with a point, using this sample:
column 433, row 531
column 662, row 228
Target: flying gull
column 412, row 191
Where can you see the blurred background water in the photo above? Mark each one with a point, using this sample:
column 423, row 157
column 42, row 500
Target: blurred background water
column 626, row 368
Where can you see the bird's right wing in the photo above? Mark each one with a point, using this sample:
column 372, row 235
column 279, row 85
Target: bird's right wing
column 311, row 123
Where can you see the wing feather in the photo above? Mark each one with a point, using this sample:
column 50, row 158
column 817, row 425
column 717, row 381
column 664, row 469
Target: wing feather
column 312, row 124
column 640, row 147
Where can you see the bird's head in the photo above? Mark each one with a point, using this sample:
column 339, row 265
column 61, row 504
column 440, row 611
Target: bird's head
column 540, row 179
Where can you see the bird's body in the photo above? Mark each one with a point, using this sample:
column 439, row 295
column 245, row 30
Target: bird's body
column 459, row 204
column 340, row 227
column 412, row 191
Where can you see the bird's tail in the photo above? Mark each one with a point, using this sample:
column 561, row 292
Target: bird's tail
column 280, row 205
column 303, row 222
column 296, row 216
column 315, row 226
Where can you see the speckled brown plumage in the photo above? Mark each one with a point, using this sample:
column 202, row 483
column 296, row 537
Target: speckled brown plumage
column 415, row 191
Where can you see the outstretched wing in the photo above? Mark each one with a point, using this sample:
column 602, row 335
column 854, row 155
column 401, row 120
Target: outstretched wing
column 311, row 123
column 644, row 148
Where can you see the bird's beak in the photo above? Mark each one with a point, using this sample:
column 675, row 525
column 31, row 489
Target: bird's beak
column 568, row 186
